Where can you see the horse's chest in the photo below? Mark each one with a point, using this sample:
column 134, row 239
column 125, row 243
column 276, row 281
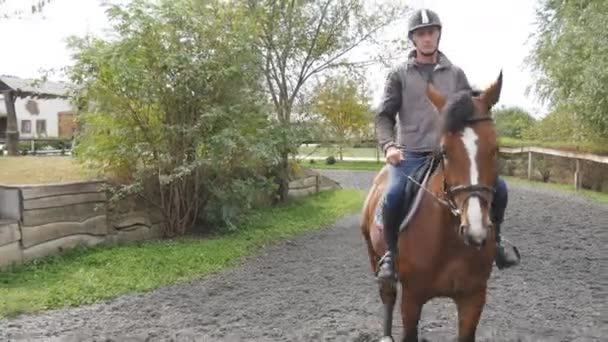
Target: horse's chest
column 461, row 275
column 451, row 269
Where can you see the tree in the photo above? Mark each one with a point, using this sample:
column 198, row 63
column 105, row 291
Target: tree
column 300, row 39
column 570, row 59
column 512, row 121
column 563, row 127
column 170, row 109
column 343, row 108
column 33, row 8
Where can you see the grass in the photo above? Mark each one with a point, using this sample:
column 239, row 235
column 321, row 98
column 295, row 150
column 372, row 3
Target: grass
column 333, row 151
column 345, row 165
column 84, row 276
column 39, row 170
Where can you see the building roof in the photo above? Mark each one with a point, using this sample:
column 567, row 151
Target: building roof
column 29, row 88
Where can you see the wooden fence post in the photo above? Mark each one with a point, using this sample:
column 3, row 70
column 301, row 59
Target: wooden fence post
column 529, row 165
column 577, row 175
column 317, row 185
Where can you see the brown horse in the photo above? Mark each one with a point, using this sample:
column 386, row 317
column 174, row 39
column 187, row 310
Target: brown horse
column 446, row 249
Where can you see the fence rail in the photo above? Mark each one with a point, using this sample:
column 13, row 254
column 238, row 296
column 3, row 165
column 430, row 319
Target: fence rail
column 530, row 150
column 35, row 144
column 577, row 156
column 554, row 152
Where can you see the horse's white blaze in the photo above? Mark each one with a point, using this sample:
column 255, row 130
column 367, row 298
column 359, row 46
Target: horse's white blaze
column 469, row 138
column 474, row 215
column 475, row 218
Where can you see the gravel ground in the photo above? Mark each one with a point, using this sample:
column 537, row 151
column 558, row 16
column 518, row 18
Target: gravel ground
column 318, row 287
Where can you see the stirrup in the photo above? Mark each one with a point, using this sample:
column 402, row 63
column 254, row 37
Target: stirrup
column 384, row 257
column 382, row 262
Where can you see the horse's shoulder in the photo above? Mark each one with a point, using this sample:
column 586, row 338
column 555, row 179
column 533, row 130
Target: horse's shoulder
column 375, row 191
column 381, row 176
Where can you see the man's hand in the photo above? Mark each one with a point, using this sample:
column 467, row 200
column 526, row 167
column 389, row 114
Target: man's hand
column 393, row 156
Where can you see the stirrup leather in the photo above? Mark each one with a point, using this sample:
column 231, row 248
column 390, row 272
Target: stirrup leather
column 383, row 261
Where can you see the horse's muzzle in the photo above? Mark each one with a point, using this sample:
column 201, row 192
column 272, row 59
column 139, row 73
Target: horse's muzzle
column 475, row 240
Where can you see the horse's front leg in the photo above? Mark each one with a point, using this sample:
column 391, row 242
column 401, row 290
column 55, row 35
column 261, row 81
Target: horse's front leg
column 388, row 294
column 411, row 307
column 469, row 313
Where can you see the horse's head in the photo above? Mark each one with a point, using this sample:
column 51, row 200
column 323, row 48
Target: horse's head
column 469, row 157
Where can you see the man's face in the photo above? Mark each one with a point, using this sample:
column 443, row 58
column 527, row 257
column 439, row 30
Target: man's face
column 426, row 39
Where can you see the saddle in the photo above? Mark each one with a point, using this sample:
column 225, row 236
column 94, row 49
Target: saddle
column 412, row 192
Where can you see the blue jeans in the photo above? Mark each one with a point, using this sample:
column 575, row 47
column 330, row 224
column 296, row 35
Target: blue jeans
column 398, row 179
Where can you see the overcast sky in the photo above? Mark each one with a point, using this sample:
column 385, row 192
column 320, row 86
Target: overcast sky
column 481, row 36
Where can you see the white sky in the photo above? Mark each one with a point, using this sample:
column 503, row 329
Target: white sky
column 481, row 36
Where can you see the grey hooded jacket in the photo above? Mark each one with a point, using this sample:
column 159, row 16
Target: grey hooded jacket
column 405, row 94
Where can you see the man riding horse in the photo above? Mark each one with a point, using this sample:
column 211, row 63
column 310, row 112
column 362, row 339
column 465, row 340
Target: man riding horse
column 418, row 131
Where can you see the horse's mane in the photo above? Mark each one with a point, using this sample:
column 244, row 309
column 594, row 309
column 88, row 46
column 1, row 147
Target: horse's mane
column 459, row 109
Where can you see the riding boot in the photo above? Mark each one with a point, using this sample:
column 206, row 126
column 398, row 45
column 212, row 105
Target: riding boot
column 386, row 269
column 503, row 258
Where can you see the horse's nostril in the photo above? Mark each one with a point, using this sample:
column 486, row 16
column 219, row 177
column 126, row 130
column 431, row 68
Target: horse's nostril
column 462, row 229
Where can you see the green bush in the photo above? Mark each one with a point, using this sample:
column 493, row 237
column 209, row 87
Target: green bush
column 512, row 121
column 168, row 121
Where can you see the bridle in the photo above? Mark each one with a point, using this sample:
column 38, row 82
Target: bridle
column 472, row 190
column 450, row 191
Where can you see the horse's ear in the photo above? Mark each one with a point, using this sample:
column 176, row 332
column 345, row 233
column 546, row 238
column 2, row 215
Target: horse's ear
column 491, row 95
column 436, row 98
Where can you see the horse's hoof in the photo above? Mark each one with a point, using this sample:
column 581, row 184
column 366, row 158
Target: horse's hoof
column 387, row 339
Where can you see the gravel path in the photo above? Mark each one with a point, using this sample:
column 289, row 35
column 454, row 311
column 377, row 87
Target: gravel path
column 317, row 287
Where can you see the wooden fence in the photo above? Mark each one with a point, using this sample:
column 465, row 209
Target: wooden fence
column 577, row 156
column 41, row 220
column 530, row 150
column 310, row 184
column 34, row 146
